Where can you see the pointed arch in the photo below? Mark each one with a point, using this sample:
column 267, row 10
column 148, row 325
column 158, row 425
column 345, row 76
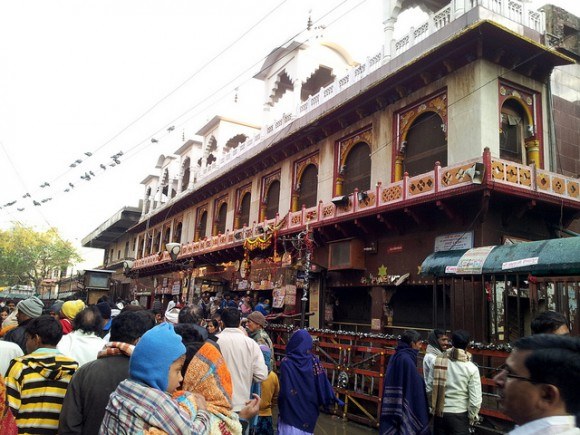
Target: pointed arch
column 220, row 220
column 177, row 233
column 357, row 169
column 245, row 203
column 201, row 232
column 272, row 200
column 308, row 186
column 425, row 144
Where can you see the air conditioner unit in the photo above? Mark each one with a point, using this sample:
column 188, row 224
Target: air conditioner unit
column 346, row 254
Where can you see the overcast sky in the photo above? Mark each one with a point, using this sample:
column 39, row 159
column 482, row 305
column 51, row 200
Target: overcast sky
column 105, row 76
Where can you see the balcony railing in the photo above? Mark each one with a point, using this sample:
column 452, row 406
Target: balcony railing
column 441, row 180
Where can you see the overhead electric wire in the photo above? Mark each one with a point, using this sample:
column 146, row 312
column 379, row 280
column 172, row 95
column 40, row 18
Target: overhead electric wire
column 237, row 39
column 133, row 151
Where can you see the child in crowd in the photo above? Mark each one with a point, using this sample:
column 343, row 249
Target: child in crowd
column 270, row 390
column 148, row 402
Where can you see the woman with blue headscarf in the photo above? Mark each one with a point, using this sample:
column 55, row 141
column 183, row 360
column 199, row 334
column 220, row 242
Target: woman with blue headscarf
column 304, row 387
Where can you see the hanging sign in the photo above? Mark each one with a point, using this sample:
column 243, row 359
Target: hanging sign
column 454, row 241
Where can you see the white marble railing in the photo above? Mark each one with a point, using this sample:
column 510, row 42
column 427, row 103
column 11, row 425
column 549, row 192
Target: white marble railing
column 517, row 11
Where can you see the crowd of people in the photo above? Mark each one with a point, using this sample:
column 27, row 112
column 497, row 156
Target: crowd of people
column 113, row 368
column 119, row 368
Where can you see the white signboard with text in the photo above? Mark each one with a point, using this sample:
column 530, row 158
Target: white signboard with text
column 454, row 241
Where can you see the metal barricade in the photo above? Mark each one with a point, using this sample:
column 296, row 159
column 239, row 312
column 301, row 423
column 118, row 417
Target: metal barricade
column 356, row 364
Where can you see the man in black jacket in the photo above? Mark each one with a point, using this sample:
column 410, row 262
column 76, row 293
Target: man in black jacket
column 89, row 390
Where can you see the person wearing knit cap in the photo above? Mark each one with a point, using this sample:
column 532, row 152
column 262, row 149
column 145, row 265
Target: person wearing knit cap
column 255, row 326
column 149, row 398
column 172, row 316
column 68, row 312
column 55, row 308
column 28, row 309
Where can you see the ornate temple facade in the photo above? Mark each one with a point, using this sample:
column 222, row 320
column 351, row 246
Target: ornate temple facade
column 452, row 138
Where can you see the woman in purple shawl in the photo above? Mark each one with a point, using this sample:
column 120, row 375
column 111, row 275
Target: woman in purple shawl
column 304, row 387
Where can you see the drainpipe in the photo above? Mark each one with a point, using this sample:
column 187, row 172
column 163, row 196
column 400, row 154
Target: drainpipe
column 552, row 149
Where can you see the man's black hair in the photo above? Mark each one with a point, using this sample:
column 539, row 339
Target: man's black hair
column 433, row 338
column 547, row 322
column 89, row 320
column 555, row 360
column 410, row 336
column 130, row 307
column 47, row 328
column 131, row 325
column 231, row 317
column 460, row 339
column 190, row 314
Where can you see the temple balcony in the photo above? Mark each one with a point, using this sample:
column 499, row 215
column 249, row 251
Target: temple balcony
column 442, row 183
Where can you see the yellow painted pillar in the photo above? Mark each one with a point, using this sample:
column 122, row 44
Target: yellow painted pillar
column 295, row 205
column 533, row 151
column 339, row 183
column 399, row 166
column 237, row 221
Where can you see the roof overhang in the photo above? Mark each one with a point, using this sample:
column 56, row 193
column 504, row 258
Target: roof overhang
column 111, row 230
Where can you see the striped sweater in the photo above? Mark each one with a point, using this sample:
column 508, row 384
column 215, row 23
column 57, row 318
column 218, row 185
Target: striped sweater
column 35, row 387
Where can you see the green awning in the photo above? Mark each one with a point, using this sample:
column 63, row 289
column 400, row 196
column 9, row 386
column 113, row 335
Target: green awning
column 441, row 262
column 545, row 257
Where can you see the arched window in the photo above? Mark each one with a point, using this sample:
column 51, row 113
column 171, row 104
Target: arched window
column 308, row 187
column 234, row 142
column 514, row 124
column 166, row 235
column 221, row 218
column 357, row 170
column 157, row 242
column 177, row 233
column 141, row 246
column 320, row 79
column 211, row 149
column 186, row 175
column 245, row 210
column 202, row 225
column 272, row 200
column 149, row 237
column 426, row 144
column 126, row 249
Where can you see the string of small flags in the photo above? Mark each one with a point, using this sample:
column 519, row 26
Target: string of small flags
column 115, row 160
